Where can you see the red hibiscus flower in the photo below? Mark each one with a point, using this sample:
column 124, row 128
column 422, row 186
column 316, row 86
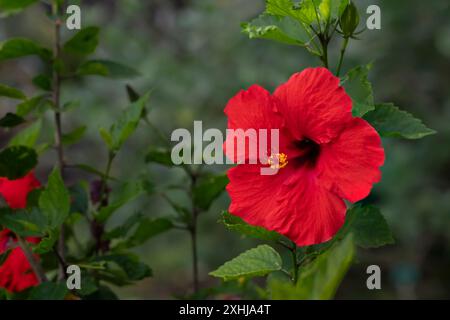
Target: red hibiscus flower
column 16, row 273
column 325, row 156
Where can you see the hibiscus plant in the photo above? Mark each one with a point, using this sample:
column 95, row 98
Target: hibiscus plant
column 311, row 216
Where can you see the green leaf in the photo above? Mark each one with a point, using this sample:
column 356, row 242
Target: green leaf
column 49, row 291
column 12, row 93
column 358, row 87
column 129, row 192
column 27, row 222
column 54, row 201
column 390, row 121
column 125, row 126
column 8, row 7
column 20, row 47
column 27, row 106
column 106, row 68
column 17, row 161
column 124, row 228
column 258, row 261
column 159, row 155
column 282, row 29
column 74, row 136
column 368, row 226
column 28, row 136
column 320, row 279
column 47, row 242
column 235, row 223
column 11, row 120
column 43, row 82
column 208, row 189
column 130, row 264
column 147, row 229
column 84, row 42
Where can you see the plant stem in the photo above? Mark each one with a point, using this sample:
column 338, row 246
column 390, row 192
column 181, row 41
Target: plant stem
column 35, row 265
column 341, row 58
column 324, row 42
column 58, row 131
column 193, row 232
column 294, row 264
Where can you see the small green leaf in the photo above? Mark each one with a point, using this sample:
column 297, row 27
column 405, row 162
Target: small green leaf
column 358, row 87
column 129, row 192
column 235, row 223
column 130, row 264
column 84, row 42
column 321, row 278
column 208, row 189
column 43, row 82
column 8, row 7
column 106, row 68
column 368, row 226
column 27, row 137
column 349, row 19
column 79, row 196
column 11, row 120
column 19, row 47
column 147, row 229
column 49, row 291
column 17, row 161
column 25, row 222
column 124, row 228
column 32, row 104
column 282, row 29
column 258, row 261
column 54, row 201
column 12, row 93
column 390, row 121
column 47, row 242
column 159, row 155
column 125, row 126
column 74, row 136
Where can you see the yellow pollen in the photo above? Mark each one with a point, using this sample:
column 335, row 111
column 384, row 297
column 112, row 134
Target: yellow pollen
column 277, row 161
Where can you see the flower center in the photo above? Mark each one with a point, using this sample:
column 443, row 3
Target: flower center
column 311, row 151
column 277, row 161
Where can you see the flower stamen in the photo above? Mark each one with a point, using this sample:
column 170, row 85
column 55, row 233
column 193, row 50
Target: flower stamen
column 277, row 161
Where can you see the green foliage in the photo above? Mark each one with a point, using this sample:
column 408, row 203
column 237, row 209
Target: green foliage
column 11, row 120
column 282, row 29
column 146, row 229
column 129, row 192
column 12, row 93
column 159, row 155
column 19, row 47
column 258, row 261
column 390, row 121
column 32, row 104
column 127, row 123
column 43, row 81
column 17, row 161
column 358, row 87
column 84, row 42
column 74, row 137
column 319, row 279
column 208, row 189
column 128, row 263
column 106, row 68
column 54, row 201
column 27, row 137
column 235, row 223
column 49, row 291
column 26, row 223
column 368, row 226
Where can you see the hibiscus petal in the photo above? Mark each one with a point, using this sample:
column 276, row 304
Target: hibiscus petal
column 314, row 105
column 250, row 110
column 350, row 165
column 291, row 202
column 15, row 192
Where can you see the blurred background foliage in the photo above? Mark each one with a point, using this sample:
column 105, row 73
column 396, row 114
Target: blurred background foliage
column 193, row 55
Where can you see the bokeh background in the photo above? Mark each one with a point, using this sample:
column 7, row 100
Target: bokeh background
column 194, row 57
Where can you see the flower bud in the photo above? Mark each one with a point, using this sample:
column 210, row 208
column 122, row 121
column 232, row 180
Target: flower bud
column 349, row 19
